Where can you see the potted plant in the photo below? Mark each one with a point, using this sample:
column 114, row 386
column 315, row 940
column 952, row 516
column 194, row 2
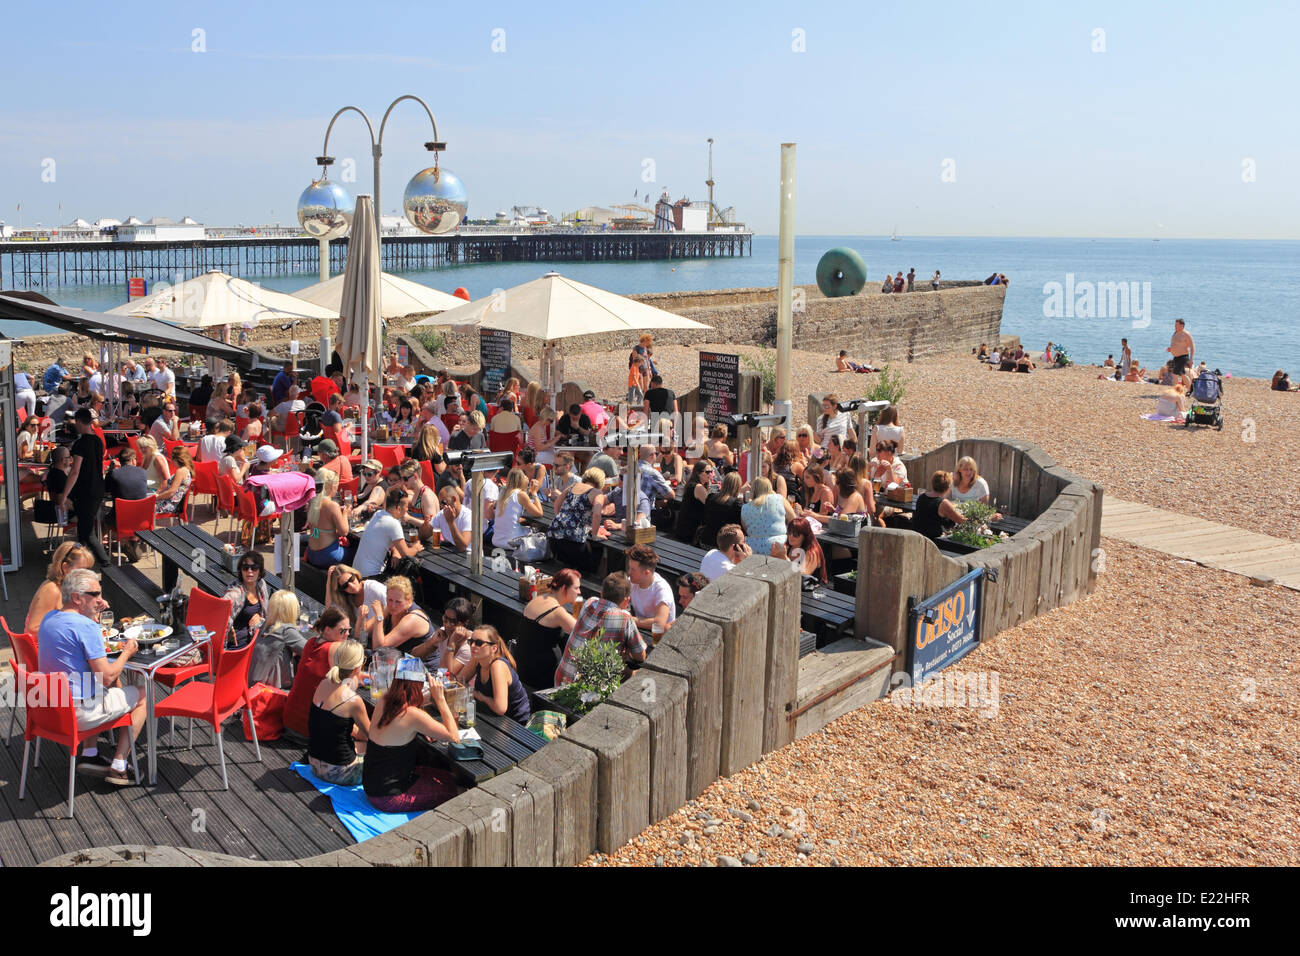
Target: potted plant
column 598, row 672
column 846, row 583
column 975, row 534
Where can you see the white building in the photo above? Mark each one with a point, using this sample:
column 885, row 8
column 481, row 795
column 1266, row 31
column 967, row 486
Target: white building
column 159, row 229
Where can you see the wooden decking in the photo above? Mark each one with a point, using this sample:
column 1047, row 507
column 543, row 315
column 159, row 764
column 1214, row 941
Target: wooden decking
column 1218, row 546
column 269, row 812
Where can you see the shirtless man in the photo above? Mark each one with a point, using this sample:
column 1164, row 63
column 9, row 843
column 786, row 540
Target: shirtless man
column 1181, row 347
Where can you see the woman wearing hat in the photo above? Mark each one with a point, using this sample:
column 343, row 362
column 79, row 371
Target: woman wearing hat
column 338, row 720
column 370, row 488
column 393, row 779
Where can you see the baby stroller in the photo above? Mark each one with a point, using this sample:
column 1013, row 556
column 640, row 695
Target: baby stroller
column 1207, row 400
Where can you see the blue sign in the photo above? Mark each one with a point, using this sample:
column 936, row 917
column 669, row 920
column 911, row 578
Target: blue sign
column 945, row 627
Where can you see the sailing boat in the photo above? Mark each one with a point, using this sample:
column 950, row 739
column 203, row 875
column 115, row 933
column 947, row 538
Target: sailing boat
column 893, row 235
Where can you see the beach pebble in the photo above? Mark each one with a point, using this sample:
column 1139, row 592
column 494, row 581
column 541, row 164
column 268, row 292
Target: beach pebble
column 729, row 861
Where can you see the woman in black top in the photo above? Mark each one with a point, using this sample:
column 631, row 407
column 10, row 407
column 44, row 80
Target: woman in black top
column 406, row 626
column 202, row 394
column 935, row 513
column 496, row 682
column 691, row 513
column 721, row 507
column 393, row 781
column 546, row 628
column 335, row 710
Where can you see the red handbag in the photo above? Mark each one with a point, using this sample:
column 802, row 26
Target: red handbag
column 267, row 712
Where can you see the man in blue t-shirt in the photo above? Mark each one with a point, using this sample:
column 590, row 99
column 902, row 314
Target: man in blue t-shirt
column 54, row 375
column 280, row 387
column 72, row 643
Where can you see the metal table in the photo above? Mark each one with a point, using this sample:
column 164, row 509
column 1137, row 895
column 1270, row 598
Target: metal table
column 148, row 663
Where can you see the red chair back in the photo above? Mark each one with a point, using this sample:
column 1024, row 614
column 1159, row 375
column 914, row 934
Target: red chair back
column 388, row 455
column 198, row 413
column 245, row 504
column 426, row 470
column 211, row 613
column 205, row 477
column 505, row 441
column 293, row 424
column 134, row 442
column 190, row 446
column 351, row 485
column 451, row 421
column 225, row 494
column 23, row 646
column 130, row 516
column 230, row 678
column 240, row 424
column 50, row 711
column 169, row 444
column 22, row 414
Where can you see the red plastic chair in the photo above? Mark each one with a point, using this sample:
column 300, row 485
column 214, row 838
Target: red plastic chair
column 351, row 485
column 506, row 441
column 426, row 471
column 130, row 516
column 212, row 614
column 190, row 446
column 198, row 413
column 226, row 498
column 169, row 444
column 246, row 507
column 22, row 414
column 389, row 456
column 205, row 480
column 134, row 442
column 214, row 703
column 181, row 514
column 26, row 653
column 240, row 424
column 51, row 715
column 451, row 420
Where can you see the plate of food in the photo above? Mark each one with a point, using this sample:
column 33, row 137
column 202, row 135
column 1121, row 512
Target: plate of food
column 109, row 634
column 148, row 633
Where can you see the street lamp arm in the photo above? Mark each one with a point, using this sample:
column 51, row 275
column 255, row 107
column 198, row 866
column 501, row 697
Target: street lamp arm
column 325, row 150
column 408, row 96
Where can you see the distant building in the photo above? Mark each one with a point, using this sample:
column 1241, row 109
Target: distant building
column 159, row 229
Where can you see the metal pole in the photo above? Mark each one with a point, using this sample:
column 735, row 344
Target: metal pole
column 476, row 523
column 631, row 484
column 755, row 454
column 288, row 550
column 325, row 347
column 785, row 286
column 365, row 414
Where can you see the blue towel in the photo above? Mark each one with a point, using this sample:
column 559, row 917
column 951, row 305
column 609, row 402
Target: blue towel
column 351, row 806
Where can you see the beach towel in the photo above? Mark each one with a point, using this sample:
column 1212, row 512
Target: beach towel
column 353, row 809
column 1153, row 417
column 290, row 490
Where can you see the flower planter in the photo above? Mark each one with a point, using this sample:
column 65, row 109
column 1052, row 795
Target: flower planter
column 542, row 700
column 846, row 583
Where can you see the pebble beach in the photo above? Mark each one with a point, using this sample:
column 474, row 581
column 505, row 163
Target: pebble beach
column 1150, row 723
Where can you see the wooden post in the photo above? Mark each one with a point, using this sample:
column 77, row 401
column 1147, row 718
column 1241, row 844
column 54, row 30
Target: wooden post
column 661, row 699
column 781, row 682
column 620, row 739
column 530, row 802
column 487, row 821
column 571, row 772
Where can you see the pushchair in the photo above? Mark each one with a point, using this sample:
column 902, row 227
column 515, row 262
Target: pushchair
column 1207, row 400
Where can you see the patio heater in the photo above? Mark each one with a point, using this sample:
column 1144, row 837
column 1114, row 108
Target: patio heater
column 633, row 441
column 480, row 463
column 865, row 409
column 755, row 423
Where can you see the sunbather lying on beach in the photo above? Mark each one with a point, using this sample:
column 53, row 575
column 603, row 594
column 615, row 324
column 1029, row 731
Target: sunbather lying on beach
column 844, row 364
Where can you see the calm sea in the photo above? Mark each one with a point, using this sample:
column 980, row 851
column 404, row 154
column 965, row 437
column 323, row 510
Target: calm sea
column 1241, row 299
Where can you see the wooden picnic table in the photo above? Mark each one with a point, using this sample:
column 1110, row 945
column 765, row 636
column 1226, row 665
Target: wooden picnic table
column 189, row 547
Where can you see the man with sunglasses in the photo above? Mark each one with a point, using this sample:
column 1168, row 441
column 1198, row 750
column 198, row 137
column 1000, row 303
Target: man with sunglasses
column 71, row 642
column 167, row 426
column 371, row 489
column 384, row 536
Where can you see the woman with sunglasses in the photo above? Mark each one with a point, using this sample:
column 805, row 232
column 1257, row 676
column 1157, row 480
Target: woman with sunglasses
column 248, row 598
column 394, row 779
column 49, row 596
column 371, row 488
column 495, row 680
column 332, row 628
column 361, row 601
column 690, row 515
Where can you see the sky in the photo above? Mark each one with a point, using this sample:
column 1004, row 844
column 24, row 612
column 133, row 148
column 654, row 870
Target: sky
column 1168, row 120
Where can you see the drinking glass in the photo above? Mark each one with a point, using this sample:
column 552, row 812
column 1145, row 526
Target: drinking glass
column 106, row 620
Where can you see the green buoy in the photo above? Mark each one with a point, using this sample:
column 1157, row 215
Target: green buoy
column 841, row 272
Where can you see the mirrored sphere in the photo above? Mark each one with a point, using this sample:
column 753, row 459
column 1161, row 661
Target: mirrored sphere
column 325, row 210
column 435, row 201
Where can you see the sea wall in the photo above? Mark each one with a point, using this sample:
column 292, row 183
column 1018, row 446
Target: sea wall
column 872, row 326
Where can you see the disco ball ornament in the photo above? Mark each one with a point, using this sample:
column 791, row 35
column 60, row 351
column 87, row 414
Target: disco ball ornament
column 435, row 201
column 325, row 210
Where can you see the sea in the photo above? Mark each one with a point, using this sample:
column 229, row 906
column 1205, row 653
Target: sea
column 1239, row 298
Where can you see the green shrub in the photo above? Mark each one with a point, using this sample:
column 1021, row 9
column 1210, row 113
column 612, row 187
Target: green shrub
column 888, row 386
column 599, row 671
column 431, row 340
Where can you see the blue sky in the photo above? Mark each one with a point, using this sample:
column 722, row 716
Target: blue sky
column 1046, row 137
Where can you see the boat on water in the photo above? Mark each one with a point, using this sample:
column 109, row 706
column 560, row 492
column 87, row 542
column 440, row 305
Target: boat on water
column 894, row 236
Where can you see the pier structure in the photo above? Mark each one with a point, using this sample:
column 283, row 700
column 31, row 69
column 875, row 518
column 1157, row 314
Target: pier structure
column 50, row 264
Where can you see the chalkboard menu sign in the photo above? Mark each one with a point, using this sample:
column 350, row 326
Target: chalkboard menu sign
column 719, row 386
column 494, row 358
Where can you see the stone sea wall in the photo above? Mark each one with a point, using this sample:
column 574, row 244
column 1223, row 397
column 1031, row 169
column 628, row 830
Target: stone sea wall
column 872, row 326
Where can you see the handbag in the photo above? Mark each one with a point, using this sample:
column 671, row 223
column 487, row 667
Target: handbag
column 531, row 547
column 266, row 712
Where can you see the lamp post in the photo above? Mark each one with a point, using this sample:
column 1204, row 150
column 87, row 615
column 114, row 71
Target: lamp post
column 434, row 200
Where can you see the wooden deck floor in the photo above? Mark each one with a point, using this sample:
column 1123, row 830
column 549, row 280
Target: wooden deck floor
column 1205, row 542
column 269, row 812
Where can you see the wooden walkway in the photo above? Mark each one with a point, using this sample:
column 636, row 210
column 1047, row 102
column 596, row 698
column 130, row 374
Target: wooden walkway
column 1218, row 546
column 269, row 812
